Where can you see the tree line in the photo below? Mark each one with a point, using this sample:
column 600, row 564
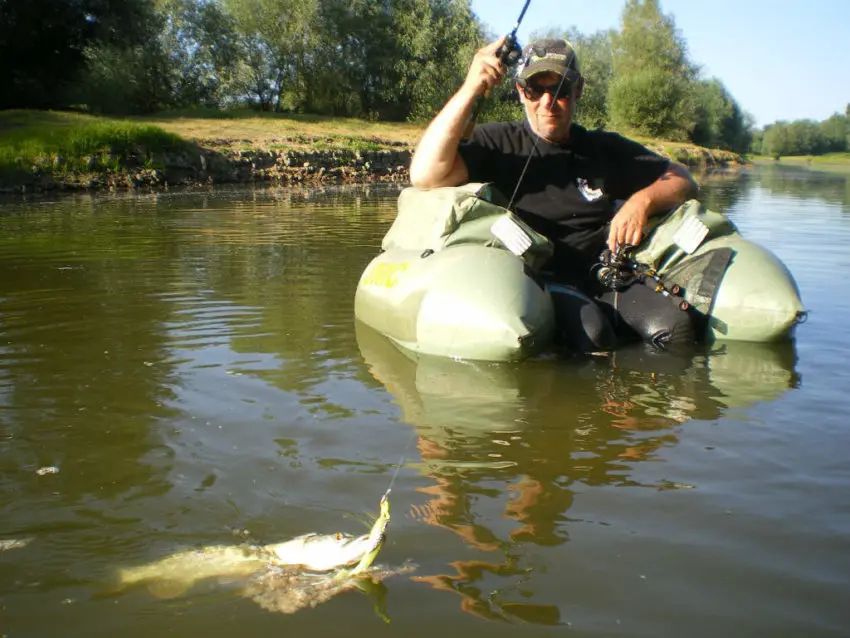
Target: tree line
column 640, row 78
column 391, row 60
column 386, row 59
column 804, row 137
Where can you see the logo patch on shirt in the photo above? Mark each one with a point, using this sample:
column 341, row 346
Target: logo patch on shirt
column 587, row 191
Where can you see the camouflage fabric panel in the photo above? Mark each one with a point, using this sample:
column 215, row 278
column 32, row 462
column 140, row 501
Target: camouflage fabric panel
column 700, row 276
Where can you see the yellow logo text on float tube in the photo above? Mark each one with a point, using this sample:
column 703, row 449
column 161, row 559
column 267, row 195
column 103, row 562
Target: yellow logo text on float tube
column 385, row 274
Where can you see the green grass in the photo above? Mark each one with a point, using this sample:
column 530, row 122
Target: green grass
column 60, row 142
column 298, row 131
column 201, row 113
column 831, row 162
column 828, row 158
column 347, row 142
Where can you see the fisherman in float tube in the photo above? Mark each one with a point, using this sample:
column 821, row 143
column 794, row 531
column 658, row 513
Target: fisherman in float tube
column 586, row 190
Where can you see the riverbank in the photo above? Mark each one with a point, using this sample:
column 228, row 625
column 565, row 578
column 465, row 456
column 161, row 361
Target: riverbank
column 47, row 151
column 830, row 162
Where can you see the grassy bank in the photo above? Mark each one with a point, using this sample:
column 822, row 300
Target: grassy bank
column 48, row 141
column 43, row 149
column 691, row 154
column 832, row 162
column 247, row 128
column 250, row 129
column 801, row 160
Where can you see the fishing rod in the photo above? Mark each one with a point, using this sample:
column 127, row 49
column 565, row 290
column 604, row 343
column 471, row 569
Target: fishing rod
column 509, row 54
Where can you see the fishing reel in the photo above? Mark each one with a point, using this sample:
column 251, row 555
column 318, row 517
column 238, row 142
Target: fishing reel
column 510, row 53
column 615, row 270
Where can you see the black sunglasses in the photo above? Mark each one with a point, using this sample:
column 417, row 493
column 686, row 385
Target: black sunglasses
column 534, row 92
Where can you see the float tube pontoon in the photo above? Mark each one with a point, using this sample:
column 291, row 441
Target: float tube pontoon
column 459, row 276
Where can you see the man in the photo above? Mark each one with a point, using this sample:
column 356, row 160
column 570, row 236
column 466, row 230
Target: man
column 582, row 189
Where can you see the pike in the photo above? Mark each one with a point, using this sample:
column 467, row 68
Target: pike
column 331, row 560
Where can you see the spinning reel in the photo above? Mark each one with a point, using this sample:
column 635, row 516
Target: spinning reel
column 617, row 271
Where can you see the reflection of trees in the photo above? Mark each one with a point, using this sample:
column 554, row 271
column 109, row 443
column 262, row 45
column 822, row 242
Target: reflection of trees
column 508, row 446
column 721, row 190
column 100, row 293
column 271, row 252
column 802, row 183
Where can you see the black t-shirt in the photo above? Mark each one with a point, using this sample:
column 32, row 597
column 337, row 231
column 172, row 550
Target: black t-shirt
column 569, row 191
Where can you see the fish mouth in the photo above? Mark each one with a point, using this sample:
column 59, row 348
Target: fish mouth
column 323, row 553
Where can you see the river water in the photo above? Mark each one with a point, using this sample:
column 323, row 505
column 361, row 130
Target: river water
column 183, row 369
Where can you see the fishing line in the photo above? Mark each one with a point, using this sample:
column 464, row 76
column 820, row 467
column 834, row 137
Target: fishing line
column 402, row 459
column 537, row 138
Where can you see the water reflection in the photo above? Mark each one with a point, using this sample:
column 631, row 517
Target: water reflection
column 115, row 313
column 804, row 184
column 723, row 190
column 720, row 190
column 189, row 364
column 524, row 439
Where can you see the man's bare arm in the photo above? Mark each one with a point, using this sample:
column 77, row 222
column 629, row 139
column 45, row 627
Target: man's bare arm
column 673, row 188
column 436, row 161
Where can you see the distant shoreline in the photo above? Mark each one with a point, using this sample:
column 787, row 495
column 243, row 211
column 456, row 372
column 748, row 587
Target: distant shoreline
column 50, row 151
column 832, row 163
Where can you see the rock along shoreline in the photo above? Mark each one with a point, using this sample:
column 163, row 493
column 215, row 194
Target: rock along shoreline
column 208, row 167
column 219, row 165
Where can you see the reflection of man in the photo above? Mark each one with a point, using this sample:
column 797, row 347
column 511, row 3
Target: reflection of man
column 566, row 181
column 504, row 449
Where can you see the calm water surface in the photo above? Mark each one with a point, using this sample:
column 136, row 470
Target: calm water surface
column 179, row 370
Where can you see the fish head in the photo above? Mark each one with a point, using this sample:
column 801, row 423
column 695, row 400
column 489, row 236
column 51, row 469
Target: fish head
column 325, row 552
column 320, row 552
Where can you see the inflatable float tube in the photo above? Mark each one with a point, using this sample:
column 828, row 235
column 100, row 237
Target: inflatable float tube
column 458, row 276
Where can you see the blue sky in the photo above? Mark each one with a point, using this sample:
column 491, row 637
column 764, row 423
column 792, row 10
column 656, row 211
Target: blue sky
column 780, row 59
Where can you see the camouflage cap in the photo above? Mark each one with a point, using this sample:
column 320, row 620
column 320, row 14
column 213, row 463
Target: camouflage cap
column 552, row 55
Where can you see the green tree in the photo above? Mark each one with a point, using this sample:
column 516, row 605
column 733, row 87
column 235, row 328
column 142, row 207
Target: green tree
column 712, row 109
column 847, row 119
column 204, row 48
column 391, row 59
column 720, row 122
column 276, row 40
column 596, row 60
column 43, row 44
column 191, row 59
column 806, row 138
column 775, row 141
column 651, row 88
column 757, row 143
column 800, row 137
column 121, row 79
column 834, row 131
column 455, row 35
